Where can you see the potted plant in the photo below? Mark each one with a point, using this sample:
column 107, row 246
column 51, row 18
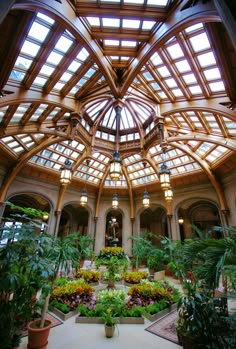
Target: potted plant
column 110, row 320
column 24, row 269
column 62, row 253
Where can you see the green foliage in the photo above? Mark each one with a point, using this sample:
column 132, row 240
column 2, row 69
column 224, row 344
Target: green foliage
column 141, row 247
column 60, row 281
column 64, row 308
column 88, row 275
column 25, row 268
column 156, row 307
column 114, row 259
column 134, row 277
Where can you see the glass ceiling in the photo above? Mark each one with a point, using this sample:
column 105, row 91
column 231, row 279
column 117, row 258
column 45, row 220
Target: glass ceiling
column 54, row 61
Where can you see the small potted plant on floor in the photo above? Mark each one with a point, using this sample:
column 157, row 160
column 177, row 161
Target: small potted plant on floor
column 110, row 320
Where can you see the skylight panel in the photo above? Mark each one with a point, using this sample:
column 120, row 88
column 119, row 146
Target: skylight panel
column 111, row 42
column 38, row 32
column 45, row 18
column 171, row 82
column 189, row 78
column 46, row 70
column 163, row 71
column 206, row 59
column 128, row 43
column 111, row 22
column 90, row 73
column 54, row 58
column 39, row 81
column 58, row 86
column 148, row 25
column 217, row 86
column 63, row 44
column 30, row 48
column 195, row 89
column 134, row 1
column 148, row 76
column 212, row 74
column 17, row 75
column 157, row 2
column 93, row 21
column 177, row 92
column 156, row 59
column 23, row 63
column 183, row 66
column 175, row 51
column 194, row 27
column 130, row 23
column 74, row 66
column 66, row 77
column 200, row 42
column 162, row 95
column 83, row 54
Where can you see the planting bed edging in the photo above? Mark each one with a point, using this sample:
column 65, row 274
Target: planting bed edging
column 160, row 314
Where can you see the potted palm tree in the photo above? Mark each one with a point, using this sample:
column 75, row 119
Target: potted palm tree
column 203, row 313
column 63, row 254
column 23, row 271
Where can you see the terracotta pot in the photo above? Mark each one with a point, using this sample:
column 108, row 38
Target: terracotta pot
column 38, row 337
column 109, row 331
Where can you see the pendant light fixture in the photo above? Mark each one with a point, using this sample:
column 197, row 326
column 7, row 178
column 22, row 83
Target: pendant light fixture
column 116, row 162
column 115, row 166
column 66, row 172
column 164, row 173
column 115, row 202
column 146, row 200
column 84, row 193
column 168, row 193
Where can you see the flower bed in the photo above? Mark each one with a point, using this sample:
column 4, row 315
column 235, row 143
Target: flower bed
column 67, row 297
column 134, row 277
column 89, row 276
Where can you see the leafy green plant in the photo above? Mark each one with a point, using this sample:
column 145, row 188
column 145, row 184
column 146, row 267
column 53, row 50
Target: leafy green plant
column 141, row 247
column 88, row 275
column 24, row 270
column 134, row 277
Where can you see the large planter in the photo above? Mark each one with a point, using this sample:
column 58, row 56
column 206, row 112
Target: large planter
column 98, row 320
column 109, row 331
column 38, row 337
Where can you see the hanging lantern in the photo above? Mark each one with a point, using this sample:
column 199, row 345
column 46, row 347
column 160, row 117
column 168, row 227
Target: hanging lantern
column 115, row 166
column 181, row 220
column 84, row 197
column 168, row 194
column 115, row 203
column 146, row 201
column 66, row 172
column 164, row 176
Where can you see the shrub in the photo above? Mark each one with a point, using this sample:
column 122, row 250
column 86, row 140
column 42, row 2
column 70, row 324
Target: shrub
column 88, row 275
column 134, row 277
column 73, row 293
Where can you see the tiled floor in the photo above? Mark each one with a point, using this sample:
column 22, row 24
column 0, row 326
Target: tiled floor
column 71, row 335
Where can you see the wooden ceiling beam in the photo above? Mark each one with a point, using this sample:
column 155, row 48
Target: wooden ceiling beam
column 118, row 35
column 150, row 13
